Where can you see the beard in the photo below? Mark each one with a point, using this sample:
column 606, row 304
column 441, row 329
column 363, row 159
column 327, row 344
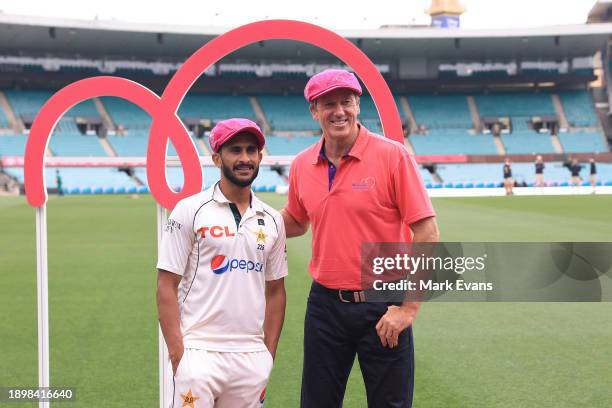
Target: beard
column 228, row 173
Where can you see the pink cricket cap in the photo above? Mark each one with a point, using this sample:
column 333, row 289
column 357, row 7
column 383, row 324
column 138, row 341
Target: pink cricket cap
column 226, row 129
column 328, row 80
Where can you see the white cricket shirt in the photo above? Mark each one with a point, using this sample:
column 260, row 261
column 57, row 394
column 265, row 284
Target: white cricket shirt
column 224, row 268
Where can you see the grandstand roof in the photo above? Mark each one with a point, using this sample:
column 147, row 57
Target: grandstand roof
column 36, row 36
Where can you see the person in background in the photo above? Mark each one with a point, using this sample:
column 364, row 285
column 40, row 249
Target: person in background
column 59, row 183
column 508, row 181
column 539, row 172
column 575, row 169
column 593, row 171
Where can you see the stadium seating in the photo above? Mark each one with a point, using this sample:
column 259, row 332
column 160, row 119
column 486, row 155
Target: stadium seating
column 75, row 144
column 279, row 145
column 525, row 104
column 579, row 109
column 74, row 178
column 554, row 173
column 134, row 144
column 576, row 142
column 369, row 116
column 4, row 123
column 12, row 145
column 527, row 142
column 266, row 178
column 287, row 113
column 441, row 111
column 216, row 107
column 126, row 114
column 448, row 141
column 29, row 102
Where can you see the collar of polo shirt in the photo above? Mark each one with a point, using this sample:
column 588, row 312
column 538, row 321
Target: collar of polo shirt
column 219, row 197
column 356, row 151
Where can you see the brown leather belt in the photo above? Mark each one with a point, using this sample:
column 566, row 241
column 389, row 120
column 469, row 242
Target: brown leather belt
column 343, row 295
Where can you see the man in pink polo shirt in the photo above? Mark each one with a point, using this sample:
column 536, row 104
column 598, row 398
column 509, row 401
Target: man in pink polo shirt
column 353, row 187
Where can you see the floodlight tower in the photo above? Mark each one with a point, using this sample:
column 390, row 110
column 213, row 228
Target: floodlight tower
column 445, row 13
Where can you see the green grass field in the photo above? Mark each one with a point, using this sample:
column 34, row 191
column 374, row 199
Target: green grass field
column 103, row 324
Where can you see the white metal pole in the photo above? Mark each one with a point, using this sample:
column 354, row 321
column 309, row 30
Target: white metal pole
column 43, row 299
column 164, row 374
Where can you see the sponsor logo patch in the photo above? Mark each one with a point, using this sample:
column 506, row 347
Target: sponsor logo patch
column 215, row 231
column 172, row 225
column 221, row 264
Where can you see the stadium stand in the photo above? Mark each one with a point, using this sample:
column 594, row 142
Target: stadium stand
column 27, row 102
column 80, row 180
column 579, row 109
column 4, row 123
column 528, row 142
column 287, row 113
column 126, row 114
column 267, row 180
column 281, row 145
column 449, row 141
column 216, row 107
column 525, row 104
column 491, row 173
column 63, row 144
column 587, row 142
column 441, row 111
column 12, row 145
column 369, row 116
column 134, row 143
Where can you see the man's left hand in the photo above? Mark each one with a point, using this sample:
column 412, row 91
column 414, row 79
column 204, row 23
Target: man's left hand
column 393, row 322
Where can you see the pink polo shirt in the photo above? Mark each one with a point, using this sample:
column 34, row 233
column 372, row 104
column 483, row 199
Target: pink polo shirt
column 377, row 191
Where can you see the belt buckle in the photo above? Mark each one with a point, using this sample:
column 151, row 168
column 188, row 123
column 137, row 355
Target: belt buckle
column 358, row 297
column 341, row 298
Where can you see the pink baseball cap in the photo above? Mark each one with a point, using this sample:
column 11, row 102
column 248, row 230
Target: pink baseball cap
column 226, row 129
column 328, row 80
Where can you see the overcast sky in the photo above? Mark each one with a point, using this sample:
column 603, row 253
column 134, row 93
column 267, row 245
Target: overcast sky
column 338, row 14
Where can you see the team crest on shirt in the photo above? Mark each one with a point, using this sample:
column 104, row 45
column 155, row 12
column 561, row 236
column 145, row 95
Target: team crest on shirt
column 366, row 184
column 261, row 236
column 189, row 399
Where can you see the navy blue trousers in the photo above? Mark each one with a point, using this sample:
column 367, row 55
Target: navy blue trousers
column 334, row 332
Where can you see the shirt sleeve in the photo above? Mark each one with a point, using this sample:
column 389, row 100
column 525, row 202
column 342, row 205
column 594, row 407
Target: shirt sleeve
column 410, row 193
column 177, row 241
column 276, row 264
column 294, row 204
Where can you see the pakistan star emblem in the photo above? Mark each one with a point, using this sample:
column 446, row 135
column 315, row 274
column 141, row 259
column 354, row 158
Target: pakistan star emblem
column 261, row 236
column 189, row 399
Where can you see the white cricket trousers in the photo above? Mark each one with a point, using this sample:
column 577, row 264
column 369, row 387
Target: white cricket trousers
column 220, row 379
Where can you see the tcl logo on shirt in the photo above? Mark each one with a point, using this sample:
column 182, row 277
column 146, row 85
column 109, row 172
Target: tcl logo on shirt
column 216, row 231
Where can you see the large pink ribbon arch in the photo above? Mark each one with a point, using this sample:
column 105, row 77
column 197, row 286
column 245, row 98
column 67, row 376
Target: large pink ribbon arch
column 165, row 123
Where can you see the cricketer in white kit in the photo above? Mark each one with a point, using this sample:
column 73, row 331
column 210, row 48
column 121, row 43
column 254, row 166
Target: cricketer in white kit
column 220, row 293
